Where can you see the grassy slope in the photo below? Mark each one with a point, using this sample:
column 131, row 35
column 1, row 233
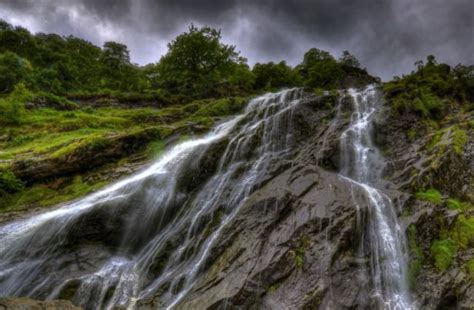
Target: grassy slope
column 49, row 133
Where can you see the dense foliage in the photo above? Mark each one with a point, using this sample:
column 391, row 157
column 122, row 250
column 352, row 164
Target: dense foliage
column 197, row 65
column 430, row 89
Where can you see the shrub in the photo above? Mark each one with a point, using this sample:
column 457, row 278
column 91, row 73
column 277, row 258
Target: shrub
column 13, row 106
column 10, row 183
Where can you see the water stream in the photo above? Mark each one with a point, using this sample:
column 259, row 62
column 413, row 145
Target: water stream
column 151, row 234
column 383, row 241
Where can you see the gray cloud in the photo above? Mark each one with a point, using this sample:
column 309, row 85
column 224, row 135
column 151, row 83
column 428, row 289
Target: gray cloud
column 387, row 36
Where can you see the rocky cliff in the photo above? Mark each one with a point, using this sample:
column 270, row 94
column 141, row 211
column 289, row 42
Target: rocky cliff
column 293, row 245
column 294, row 242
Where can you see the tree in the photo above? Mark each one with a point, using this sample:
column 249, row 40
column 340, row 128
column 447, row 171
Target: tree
column 12, row 106
column 18, row 40
column 115, row 55
column 272, row 76
column 197, row 62
column 118, row 72
column 320, row 69
column 13, row 69
column 347, row 59
column 315, row 55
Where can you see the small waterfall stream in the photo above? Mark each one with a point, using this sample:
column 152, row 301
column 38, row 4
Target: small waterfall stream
column 383, row 241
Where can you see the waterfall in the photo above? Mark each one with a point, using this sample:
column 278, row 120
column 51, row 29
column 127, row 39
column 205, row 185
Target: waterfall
column 383, row 241
column 150, row 234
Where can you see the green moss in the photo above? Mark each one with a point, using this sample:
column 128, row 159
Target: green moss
column 411, row 134
column 459, row 140
column 443, row 252
column 463, row 231
column 455, row 204
column 416, row 256
column 431, row 195
column 435, row 139
column 300, row 252
column 470, row 268
column 155, row 149
column 274, row 287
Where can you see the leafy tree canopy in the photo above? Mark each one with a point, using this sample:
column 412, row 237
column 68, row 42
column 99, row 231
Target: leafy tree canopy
column 197, row 62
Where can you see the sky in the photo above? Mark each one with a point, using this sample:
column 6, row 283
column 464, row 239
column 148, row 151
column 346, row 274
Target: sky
column 387, row 36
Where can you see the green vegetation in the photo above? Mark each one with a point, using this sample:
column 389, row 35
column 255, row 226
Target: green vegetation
column 430, row 89
column 197, row 65
column 300, row 251
column 463, row 231
column 416, row 256
column 48, row 133
column 443, row 252
column 431, row 195
column 459, row 237
column 455, row 204
column 12, row 107
column 470, row 268
column 42, row 195
column 9, row 183
column 459, row 139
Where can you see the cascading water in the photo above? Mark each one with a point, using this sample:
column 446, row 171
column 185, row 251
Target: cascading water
column 382, row 240
column 152, row 233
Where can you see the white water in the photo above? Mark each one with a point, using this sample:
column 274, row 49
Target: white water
column 162, row 233
column 383, row 241
column 158, row 232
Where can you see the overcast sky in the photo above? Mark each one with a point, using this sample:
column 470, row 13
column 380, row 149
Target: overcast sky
column 386, row 36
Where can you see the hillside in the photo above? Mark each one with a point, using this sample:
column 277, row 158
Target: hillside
column 200, row 183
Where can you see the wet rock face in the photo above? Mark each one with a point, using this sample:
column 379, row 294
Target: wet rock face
column 294, row 244
column 416, row 164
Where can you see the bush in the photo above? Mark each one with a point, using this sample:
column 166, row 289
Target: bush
column 13, row 106
column 10, row 183
column 13, row 69
column 426, row 90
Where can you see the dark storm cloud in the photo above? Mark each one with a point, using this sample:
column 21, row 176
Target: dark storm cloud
column 387, row 36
